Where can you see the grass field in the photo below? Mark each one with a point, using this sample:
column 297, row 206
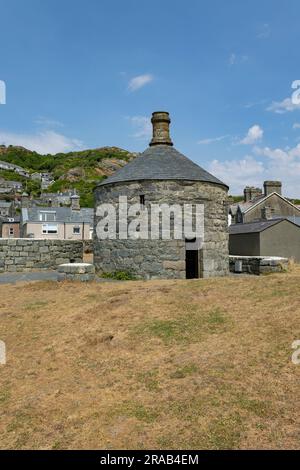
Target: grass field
column 163, row 364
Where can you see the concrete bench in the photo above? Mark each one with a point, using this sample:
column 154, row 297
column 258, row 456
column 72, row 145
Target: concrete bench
column 76, row 272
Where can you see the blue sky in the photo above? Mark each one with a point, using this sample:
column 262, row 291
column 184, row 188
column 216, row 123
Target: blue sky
column 83, row 74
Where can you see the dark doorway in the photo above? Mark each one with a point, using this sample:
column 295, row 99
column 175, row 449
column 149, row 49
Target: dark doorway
column 191, row 261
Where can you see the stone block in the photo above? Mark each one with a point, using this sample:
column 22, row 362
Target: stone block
column 174, row 265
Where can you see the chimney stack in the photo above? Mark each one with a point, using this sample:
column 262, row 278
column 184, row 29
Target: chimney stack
column 24, row 200
column 75, row 202
column 251, row 193
column 161, row 128
column 272, row 187
column 255, row 193
column 247, row 194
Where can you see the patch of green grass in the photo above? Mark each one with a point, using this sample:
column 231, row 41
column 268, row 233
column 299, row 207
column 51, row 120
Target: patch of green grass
column 225, row 433
column 184, row 371
column 257, row 407
column 119, row 276
column 189, row 327
column 188, row 409
column 215, row 317
column 35, row 305
column 4, row 395
column 149, row 379
column 138, row 411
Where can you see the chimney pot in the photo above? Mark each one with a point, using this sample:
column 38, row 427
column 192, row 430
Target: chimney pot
column 272, row 187
column 161, row 128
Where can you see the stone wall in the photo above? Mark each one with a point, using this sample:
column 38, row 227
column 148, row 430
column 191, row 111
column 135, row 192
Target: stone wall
column 24, row 254
column 88, row 246
column 259, row 264
column 149, row 259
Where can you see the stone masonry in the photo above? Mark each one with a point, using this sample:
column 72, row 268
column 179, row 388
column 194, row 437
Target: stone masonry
column 24, row 254
column 82, row 272
column 150, row 259
column 259, row 264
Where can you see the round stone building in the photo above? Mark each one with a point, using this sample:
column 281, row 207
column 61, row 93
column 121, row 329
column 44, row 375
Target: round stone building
column 162, row 175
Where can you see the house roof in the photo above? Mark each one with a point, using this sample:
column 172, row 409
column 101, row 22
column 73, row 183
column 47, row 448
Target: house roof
column 161, row 162
column 11, row 220
column 295, row 220
column 255, row 227
column 247, row 206
column 63, row 214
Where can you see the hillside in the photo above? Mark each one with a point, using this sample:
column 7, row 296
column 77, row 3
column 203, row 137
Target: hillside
column 81, row 170
column 134, row 365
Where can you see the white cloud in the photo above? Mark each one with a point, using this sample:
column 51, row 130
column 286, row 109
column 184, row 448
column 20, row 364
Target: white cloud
column 283, row 165
column 263, row 31
column 139, row 81
column 237, row 59
column 212, row 140
column 142, row 126
column 284, row 106
column 48, row 122
column 254, row 103
column 41, row 142
column 238, row 173
column 296, row 125
column 254, row 134
column 278, row 155
column 2, row 92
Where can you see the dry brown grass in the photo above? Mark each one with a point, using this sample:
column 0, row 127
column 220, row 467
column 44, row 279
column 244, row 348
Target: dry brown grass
column 162, row 364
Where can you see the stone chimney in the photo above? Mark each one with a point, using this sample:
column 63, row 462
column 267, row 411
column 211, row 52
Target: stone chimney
column 161, row 128
column 75, row 202
column 272, row 187
column 24, row 200
column 267, row 213
column 255, row 193
column 247, row 194
column 251, row 193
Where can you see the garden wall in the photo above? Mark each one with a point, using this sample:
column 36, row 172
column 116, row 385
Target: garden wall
column 258, row 264
column 27, row 254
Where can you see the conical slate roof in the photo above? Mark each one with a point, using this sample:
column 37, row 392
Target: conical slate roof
column 161, row 162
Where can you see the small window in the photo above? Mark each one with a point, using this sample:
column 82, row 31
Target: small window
column 142, row 200
column 11, row 231
column 76, row 230
column 47, row 216
column 49, row 228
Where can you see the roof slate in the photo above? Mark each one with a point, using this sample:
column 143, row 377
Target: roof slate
column 254, row 227
column 63, row 214
column 161, row 162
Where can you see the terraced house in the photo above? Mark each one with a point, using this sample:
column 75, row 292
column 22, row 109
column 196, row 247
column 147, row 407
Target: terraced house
column 65, row 223
column 263, row 205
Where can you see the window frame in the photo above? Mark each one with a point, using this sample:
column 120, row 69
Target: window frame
column 46, row 231
column 77, row 227
column 43, row 216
